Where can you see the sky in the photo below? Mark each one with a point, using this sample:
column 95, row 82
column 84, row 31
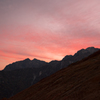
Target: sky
column 47, row 29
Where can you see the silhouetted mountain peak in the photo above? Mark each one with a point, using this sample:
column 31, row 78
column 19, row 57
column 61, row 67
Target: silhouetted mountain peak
column 67, row 57
column 27, row 59
column 53, row 61
column 35, row 59
column 89, row 50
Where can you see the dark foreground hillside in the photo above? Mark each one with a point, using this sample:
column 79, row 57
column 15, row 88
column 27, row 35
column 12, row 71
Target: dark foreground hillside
column 79, row 81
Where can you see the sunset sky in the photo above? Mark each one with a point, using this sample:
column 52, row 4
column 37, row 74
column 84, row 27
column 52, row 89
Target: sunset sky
column 47, row 29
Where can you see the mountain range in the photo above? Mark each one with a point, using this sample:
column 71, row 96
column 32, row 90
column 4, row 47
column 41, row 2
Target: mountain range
column 22, row 74
column 78, row 81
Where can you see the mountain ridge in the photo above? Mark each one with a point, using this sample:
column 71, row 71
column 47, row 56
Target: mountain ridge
column 78, row 81
column 38, row 63
column 27, row 63
column 14, row 81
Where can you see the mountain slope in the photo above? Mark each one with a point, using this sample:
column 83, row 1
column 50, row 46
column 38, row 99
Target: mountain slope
column 22, row 74
column 79, row 81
